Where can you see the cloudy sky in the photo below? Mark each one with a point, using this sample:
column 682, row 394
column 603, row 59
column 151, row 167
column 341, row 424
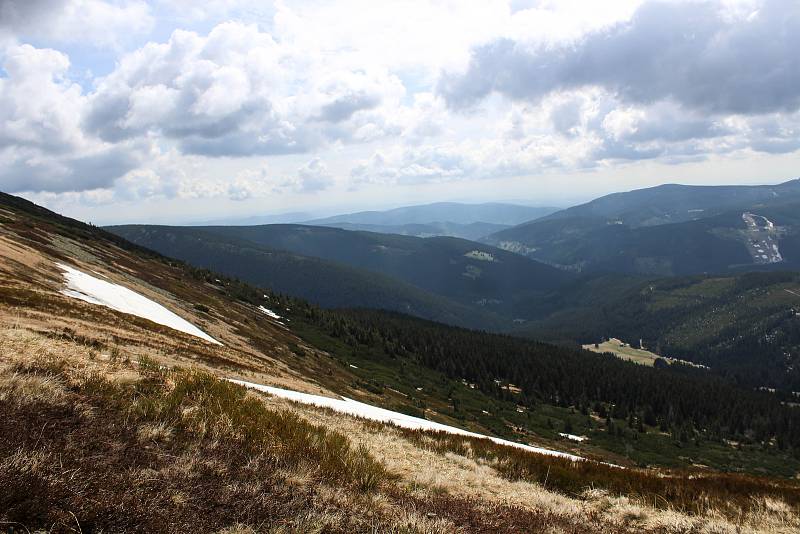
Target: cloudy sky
column 121, row 111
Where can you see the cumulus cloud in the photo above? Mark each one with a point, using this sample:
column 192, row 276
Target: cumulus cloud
column 345, row 106
column 240, row 190
column 311, row 177
column 576, row 131
column 510, row 91
column 236, row 92
column 142, row 184
column 697, row 54
column 416, row 165
column 210, row 94
column 42, row 145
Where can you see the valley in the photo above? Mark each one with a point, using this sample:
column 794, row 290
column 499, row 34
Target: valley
column 418, row 372
column 451, row 280
column 420, row 375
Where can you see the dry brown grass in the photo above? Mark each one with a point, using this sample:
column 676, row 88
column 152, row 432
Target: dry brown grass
column 38, row 369
column 469, row 476
column 93, row 436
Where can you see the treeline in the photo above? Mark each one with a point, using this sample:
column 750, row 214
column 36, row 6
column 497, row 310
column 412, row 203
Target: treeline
column 686, row 402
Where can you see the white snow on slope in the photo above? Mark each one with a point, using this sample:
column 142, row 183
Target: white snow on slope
column 96, row 291
column 373, row 413
column 269, row 312
column 573, row 437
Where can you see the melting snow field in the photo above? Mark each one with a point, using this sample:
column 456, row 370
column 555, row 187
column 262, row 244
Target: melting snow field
column 373, row 413
column 96, row 291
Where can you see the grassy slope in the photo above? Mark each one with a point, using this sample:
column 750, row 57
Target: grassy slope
column 181, row 451
column 108, row 444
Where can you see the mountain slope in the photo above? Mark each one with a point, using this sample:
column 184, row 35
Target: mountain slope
column 664, row 235
column 672, row 203
column 476, row 275
column 325, row 282
column 109, row 407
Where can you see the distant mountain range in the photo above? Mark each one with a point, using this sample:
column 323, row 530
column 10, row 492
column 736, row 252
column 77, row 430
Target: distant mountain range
column 450, row 212
column 279, row 218
column 670, row 265
column 452, row 219
column 667, row 230
column 472, row 231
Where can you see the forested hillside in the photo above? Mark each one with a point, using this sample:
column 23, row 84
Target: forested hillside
column 483, row 278
column 472, row 231
column 324, row 282
column 665, row 231
column 745, row 327
column 614, row 402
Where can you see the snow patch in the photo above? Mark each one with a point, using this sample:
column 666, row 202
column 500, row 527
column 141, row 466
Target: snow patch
column 373, row 413
column 96, row 291
column 480, row 255
column 573, row 437
column 269, row 312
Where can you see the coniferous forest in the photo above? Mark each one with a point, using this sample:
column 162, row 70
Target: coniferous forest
column 687, row 401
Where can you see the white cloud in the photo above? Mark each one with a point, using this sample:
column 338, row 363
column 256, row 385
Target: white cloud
column 330, row 95
column 240, row 190
column 699, row 54
column 311, row 178
column 42, row 145
column 238, row 92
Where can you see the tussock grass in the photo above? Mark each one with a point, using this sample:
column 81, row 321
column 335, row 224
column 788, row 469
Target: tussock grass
column 180, row 451
column 698, row 493
column 200, row 404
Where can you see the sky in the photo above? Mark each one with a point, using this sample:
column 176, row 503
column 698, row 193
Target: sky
column 116, row 111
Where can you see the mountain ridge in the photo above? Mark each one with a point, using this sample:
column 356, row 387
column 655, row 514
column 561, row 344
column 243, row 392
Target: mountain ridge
column 453, row 212
column 476, row 275
column 692, row 235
